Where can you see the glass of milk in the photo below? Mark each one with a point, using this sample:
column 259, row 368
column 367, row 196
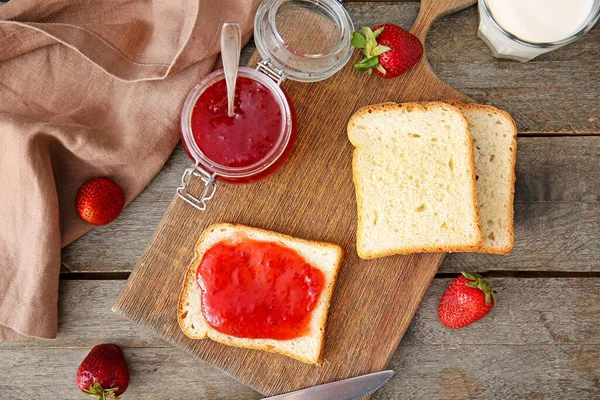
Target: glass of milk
column 524, row 29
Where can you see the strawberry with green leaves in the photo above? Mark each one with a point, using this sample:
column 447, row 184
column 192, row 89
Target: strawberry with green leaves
column 467, row 299
column 103, row 373
column 388, row 50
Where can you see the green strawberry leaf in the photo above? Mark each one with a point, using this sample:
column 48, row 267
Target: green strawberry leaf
column 380, row 50
column 378, row 31
column 358, row 40
column 381, row 69
column 369, row 35
column 476, row 281
column 370, row 43
column 367, row 64
column 99, row 393
column 472, row 277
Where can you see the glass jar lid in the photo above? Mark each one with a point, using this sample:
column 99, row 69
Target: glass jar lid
column 308, row 40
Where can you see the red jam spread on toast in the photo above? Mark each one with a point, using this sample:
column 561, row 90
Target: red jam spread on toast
column 245, row 138
column 258, row 290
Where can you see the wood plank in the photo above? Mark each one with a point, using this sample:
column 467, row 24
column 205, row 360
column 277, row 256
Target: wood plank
column 453, row 39
column 555, row 93
column 447, row 44
column 494, row 372
column 552, row 236
column 548, row 237
column 558, row 169
column 556, row 178
column 346, row 2
column 535, row 311
column 432, row 372
column 542, row 337
column 133, row 230
column 529, row 311
column 156, row 373
column 85, row 319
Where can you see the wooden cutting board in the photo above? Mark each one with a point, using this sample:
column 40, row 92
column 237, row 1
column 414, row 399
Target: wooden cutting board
column 311, row 197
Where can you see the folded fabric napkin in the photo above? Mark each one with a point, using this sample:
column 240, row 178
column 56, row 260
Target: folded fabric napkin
column 87, row 89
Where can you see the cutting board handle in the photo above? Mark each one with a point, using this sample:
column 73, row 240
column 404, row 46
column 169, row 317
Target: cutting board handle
column 431, row 10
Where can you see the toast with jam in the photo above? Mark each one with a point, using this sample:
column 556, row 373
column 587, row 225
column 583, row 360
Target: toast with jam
column 257, row 289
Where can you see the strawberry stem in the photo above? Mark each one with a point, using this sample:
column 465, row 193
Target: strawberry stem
column 367, row 63
column 102, row 394
column 367, row 42
column 478, row 282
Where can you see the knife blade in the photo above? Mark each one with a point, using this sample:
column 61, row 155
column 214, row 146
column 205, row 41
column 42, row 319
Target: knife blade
column 347, row 389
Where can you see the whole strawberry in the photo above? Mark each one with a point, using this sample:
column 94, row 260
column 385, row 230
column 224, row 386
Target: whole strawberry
column 99, row 201
column 103, row 373
column 388, row 49
column 467, row 299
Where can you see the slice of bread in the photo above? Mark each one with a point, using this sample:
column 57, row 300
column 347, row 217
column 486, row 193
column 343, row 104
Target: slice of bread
column 326, row 257
column 414, row 176
column 495, row 142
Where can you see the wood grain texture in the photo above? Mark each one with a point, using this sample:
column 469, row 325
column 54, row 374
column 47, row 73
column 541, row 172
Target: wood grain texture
column 494, row 372
column 85, row 319
column 557, row 191
column 306, row 200
column 555, row 93
column 156, row 373
column 555, row 372
column 542, row 337
column 548, row 237
column 447, row 45
column 529, row 311
column 535, row 311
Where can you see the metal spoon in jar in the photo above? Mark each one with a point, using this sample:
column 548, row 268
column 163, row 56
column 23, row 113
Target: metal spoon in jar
column 231, row 45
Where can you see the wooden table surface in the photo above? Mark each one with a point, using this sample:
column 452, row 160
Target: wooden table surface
column 542, row 340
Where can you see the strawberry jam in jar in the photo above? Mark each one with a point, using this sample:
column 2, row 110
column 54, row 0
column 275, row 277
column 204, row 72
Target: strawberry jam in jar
column 251, row 144
column 302, row 40
column 260, row 127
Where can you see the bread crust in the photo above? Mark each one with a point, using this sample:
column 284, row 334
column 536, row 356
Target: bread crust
column 507, row 249
column 425, row 249
column 186, row 288
column 190, row 280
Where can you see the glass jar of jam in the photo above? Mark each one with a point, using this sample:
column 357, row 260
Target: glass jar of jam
column 302, row 40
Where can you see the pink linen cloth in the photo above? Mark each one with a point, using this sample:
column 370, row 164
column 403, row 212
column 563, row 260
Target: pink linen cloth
column 87, row 89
